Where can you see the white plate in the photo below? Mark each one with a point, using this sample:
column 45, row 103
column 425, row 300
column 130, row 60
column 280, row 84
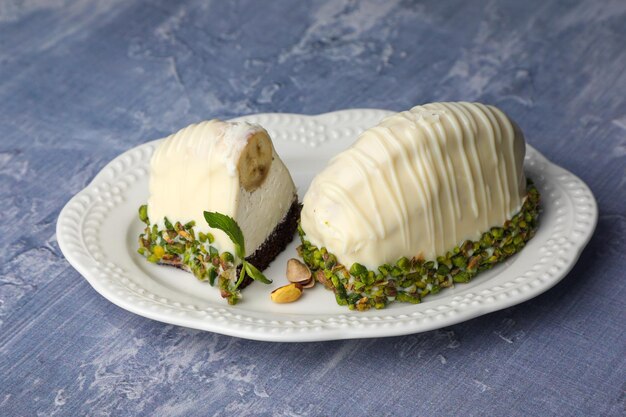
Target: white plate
column 97, row 231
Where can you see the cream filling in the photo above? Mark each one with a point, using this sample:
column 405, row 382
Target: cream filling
column 195, row 170
column 419, row 183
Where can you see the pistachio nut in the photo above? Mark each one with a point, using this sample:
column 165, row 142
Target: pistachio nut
column 287, row 293
column 298, row 272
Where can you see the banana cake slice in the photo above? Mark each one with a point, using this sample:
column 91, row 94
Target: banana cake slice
column 427, row 198
column 229, row 168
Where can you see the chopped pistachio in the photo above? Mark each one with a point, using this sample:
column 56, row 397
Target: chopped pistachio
column 443, row 269
column 473, row 262
column 384, row 269
column 176, row 248
column 407, row 298
column 403, row 263
column 185, row 235
column 497, row 232
column 227, row 257
column 459, row 261
column 158, row 251
column 396, row 271
column 330, row 261
column 357, row 269
column 143, row 214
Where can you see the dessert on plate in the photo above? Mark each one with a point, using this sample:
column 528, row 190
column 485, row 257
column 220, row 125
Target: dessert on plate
column 222, row 204
column 427, row 198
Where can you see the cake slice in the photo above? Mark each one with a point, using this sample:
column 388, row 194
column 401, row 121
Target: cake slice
column 230, row 168
column 427, row 198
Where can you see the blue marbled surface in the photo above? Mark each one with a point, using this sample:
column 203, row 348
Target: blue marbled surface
column 82, row 81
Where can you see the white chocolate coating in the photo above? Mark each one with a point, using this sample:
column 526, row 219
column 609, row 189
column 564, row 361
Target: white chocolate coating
column 419, row 183
column 195, row 170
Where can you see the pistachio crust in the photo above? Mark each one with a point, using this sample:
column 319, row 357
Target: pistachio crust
column 410, row 280
column 179, row 245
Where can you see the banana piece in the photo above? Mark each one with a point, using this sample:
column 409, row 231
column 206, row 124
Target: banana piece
column 255, row 161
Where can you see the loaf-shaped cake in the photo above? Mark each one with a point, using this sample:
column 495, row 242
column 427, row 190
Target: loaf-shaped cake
column 426, row 198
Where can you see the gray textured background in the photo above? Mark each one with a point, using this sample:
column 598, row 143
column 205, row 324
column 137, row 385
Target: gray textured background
column 81, row 82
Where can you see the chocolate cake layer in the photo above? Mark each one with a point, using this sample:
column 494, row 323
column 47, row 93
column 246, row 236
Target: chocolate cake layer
column 276, row 242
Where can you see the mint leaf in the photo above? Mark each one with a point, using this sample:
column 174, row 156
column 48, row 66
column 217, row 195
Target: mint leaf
column 229, row 226
column 255, row 274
